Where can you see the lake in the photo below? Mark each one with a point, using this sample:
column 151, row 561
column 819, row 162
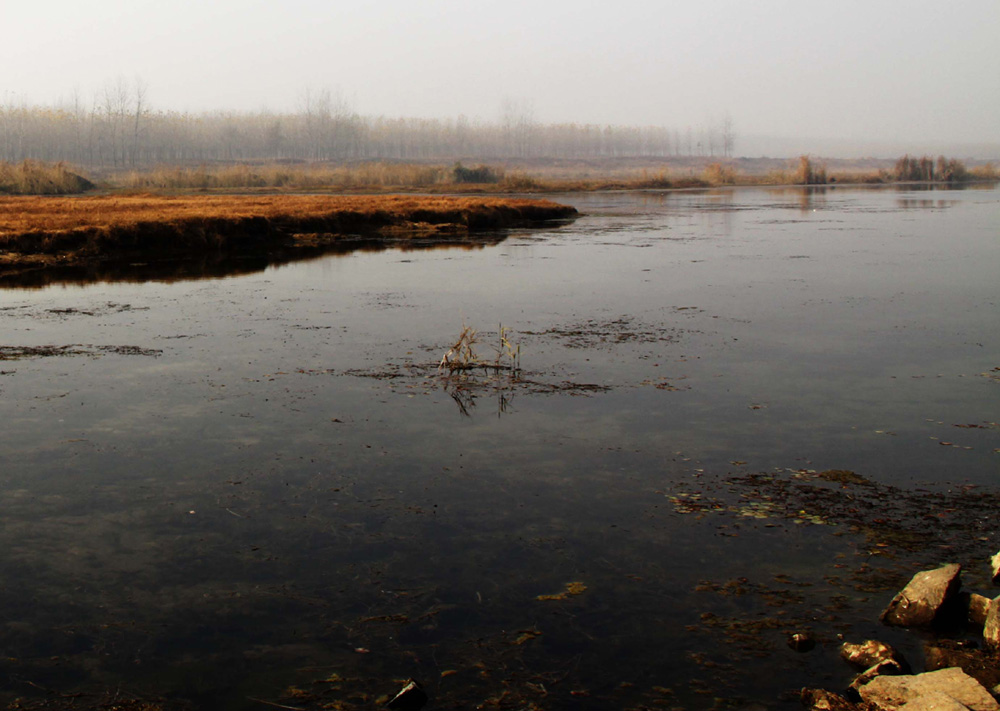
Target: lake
column 738, row 414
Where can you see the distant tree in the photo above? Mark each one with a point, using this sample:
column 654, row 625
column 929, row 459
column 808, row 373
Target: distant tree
column 139, row 114
column 517, row 121
column 728, row 136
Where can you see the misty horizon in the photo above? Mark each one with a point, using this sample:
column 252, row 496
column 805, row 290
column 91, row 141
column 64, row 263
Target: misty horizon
column 851, row 78
column 720, row 138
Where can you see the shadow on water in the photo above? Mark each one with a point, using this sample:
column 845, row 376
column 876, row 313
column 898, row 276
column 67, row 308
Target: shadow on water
column 221, row 265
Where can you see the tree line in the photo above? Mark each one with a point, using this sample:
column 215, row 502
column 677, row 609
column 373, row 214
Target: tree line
column 120, row 129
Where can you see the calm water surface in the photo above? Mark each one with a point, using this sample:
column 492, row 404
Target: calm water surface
column 258, row 486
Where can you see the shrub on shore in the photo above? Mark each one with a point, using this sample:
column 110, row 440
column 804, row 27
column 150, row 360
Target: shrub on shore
column 925, row 169
column 37, row 178
column 479, row 174
column 809, row 173
column 720, row 174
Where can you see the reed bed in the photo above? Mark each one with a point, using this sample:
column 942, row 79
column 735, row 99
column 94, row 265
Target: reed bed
column 538, row 176
column 36, row 178
column 317, row 176
column 87, row 228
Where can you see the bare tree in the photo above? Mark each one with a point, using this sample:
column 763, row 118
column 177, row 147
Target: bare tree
column 517, row 120
column 728, row 136
column 140, row 109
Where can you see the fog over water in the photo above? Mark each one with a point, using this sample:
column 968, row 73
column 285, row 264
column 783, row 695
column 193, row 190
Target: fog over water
column 847, row 78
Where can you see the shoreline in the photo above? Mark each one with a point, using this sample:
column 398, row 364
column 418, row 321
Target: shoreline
column 38, row 232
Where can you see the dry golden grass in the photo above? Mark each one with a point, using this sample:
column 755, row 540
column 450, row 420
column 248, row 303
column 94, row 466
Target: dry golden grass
column 536, row 176
column 36, row 178
column 88, row 228
column 368, row 175
column 48, row 214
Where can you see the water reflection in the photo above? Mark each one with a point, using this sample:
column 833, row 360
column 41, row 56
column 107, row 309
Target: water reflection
column 924, row 203
column 215, row 266
column 287, row 499
column 807, row 197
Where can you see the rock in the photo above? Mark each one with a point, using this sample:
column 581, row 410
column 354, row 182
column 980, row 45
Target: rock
column 991, row 627
column 869, row 653
column 410, row 698
column 801, row 641
column 975, row 607
column 892, row 692
column 934, row 701
column 918, row 603
column 888, row 667
column 995, row 561
column 820, row 700
column 981, row 667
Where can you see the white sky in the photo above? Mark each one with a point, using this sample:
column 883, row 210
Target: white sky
column 843, row 69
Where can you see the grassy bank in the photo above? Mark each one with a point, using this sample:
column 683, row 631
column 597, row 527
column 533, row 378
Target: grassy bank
column 35, row 178
column 538, row 175
column 551, row 176
column 46, row 230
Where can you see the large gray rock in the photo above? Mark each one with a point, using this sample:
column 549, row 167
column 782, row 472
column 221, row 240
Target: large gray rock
column 869, row 653
column 918, row 603
column 991, row 628
column 890, row 693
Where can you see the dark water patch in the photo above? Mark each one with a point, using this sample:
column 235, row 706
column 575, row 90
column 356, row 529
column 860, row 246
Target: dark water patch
column 701, row 454
column 219, row 265
column 76, row 349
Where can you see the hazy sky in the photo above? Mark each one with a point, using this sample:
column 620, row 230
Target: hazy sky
column 878, row 69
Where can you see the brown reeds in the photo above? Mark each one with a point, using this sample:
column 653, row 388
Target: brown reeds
column 370, row 175
column 809, row 173
column 99, row 227
column 36, row 178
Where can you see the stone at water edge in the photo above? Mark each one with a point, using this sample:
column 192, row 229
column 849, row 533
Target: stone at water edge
column 887, row 667
column 991, row 628
column 889, row 693
column 933, row 701
column 976, row 607
column 871, row 652
column 982, row 667
column 801, row 641
column 918, row 603
column 996, row 569
column 821, row 700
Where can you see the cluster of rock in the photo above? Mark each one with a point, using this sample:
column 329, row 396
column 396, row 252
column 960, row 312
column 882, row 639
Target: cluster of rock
column 958, row 676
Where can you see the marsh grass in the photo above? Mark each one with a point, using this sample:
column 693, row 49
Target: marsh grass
column 36, row 178
column 462, row 355
column 985, row 172
column 32, row 177
column 720, row 174
column 58, row 230
column 378, row 175
column 465, row 374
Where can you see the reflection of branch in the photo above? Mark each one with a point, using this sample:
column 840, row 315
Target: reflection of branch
column 484, row 366
column 456, row 395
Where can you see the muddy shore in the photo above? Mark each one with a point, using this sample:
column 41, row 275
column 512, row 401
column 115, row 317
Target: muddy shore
column 40, row 232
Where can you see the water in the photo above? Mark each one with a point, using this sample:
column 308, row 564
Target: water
column 239, row 488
